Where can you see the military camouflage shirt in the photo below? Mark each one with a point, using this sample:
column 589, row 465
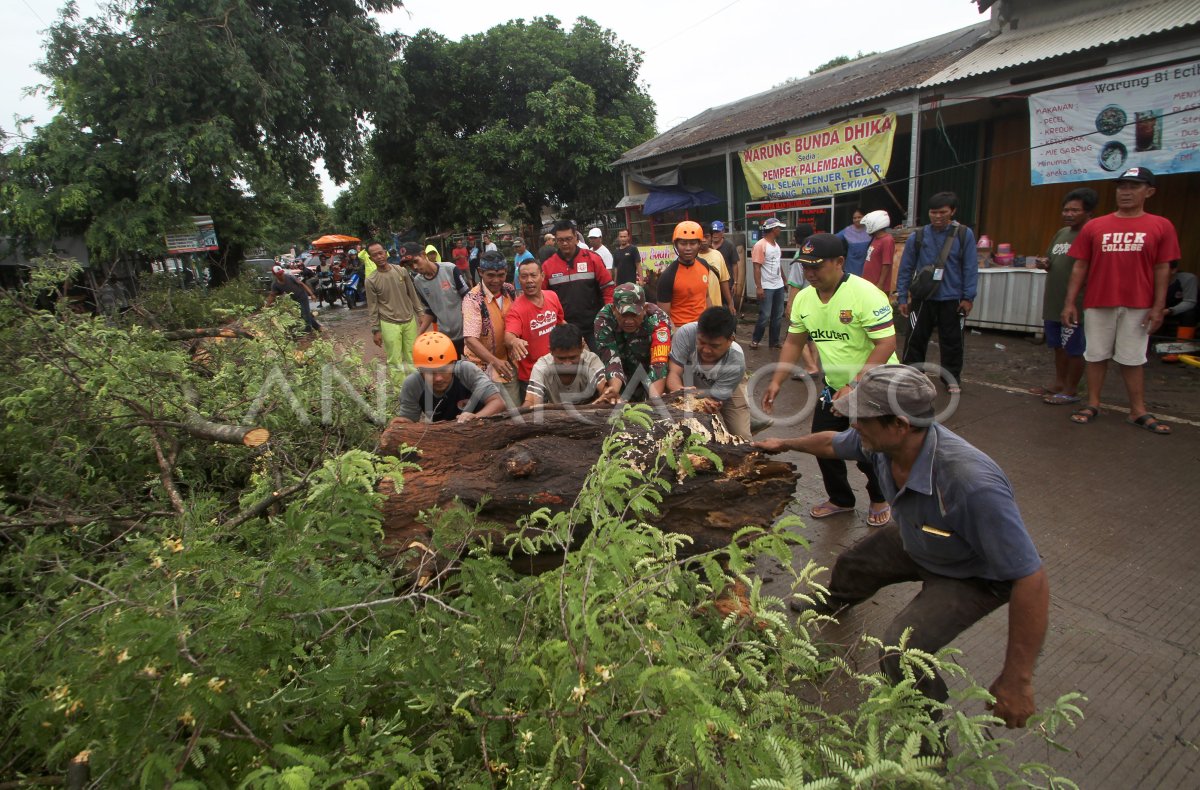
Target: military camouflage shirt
column 623, row 353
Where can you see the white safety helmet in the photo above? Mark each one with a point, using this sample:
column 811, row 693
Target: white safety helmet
column 876, row 221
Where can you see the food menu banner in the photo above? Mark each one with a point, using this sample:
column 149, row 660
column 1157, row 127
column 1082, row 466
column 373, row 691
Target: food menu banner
column 832, row 161
column 1094, row 130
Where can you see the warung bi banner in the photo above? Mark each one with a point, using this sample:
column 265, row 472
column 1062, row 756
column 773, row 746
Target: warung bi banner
column 1094, row 130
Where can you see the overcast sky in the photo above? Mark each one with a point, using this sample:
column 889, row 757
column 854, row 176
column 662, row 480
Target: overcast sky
column 699, row 54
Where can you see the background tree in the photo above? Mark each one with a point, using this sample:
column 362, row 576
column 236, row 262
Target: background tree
column 504, row 122
column 367, row 208
column 177, row 107
column 841, row 60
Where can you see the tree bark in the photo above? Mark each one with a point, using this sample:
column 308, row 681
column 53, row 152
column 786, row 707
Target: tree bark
column 542, row 458
column 218, row 331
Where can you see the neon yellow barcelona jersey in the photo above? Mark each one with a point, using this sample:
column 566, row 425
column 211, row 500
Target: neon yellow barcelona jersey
column 844, row 328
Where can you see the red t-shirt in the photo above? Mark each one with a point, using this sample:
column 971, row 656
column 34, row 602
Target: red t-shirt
column 881, row 253
column 461, row 257
column 533, row 324
column 1123, row 252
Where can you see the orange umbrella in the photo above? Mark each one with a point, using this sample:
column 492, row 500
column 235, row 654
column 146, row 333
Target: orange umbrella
column 334, row 240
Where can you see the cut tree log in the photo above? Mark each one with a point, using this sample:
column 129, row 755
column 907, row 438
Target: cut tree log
column 542, row 457
column 201, row 427
column 202, row 340
column 246, row 435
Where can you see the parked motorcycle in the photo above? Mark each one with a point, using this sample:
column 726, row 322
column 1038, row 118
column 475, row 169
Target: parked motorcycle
column 327, row 289
column 352, row 291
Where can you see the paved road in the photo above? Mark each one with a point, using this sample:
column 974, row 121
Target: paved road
column 1109, row 507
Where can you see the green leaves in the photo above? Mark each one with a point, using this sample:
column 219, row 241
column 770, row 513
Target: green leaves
column 296, row 649
column 169, row 109
column 502, row 123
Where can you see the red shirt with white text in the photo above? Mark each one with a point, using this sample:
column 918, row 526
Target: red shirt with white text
column 533, row 324
column 1122, row 253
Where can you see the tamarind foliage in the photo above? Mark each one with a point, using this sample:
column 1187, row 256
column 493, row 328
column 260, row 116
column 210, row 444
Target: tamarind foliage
column 161, row 622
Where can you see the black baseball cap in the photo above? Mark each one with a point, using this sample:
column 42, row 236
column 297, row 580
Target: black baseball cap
column 819, row 247
column 1141, row 174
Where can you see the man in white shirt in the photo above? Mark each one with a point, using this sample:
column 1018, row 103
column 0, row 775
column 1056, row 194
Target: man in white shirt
column 769, row 286
column 595, row 240
column 570, row 373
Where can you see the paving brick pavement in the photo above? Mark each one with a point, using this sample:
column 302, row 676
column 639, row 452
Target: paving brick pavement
column 1109, row 507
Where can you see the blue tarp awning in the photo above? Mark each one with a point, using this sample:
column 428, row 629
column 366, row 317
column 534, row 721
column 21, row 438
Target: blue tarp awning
column 677, row 198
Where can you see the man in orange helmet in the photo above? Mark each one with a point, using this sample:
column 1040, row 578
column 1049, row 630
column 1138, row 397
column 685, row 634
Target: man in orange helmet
column 445, row 387
column 683, row 286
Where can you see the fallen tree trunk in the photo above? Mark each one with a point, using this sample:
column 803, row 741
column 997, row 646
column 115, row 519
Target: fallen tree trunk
column 224, row 332
column 541, row 459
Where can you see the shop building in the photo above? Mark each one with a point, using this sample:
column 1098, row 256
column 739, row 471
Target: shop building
column 1011, row 114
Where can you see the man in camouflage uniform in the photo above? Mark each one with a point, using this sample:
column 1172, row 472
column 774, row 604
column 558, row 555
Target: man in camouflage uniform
column 633, row 340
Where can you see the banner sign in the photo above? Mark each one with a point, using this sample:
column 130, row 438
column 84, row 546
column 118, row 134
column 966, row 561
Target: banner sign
column 202, row 237
column 821, row 163
column 818, row 213
column 1095, row 130
column 657, row 257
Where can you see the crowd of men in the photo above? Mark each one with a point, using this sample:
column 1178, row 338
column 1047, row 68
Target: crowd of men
column 581, row 327
column 576, row 327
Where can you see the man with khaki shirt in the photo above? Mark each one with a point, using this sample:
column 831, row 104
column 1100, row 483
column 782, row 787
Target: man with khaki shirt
column 393, row 307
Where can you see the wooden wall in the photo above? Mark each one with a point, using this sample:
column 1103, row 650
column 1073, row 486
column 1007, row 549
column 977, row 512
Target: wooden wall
column 1027, row 216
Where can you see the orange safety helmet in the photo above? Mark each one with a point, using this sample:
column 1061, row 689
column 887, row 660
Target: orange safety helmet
column 688, row 230
column 433, row 350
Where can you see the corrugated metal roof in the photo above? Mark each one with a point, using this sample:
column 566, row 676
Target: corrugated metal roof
column 1072, row 34
column 869, row 79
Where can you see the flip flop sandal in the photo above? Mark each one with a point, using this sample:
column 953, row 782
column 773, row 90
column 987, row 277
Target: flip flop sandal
column 1085, row 415
column 1060, row 399
column 879, row 518
column 1042, row 391
column 1148, row 422
column 827, row 509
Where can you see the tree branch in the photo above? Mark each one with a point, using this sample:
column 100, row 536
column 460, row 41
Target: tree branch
column 259, row 742
column 636, row 782
column 165, row 476
column 259, row 507
column 384, row 602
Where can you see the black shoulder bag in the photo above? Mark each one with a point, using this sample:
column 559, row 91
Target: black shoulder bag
column 926, row 282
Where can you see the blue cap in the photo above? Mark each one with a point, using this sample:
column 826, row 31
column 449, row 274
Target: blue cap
column 718, row 226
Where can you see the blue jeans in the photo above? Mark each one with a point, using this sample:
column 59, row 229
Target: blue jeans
column 770, row 308
column 306, row 314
